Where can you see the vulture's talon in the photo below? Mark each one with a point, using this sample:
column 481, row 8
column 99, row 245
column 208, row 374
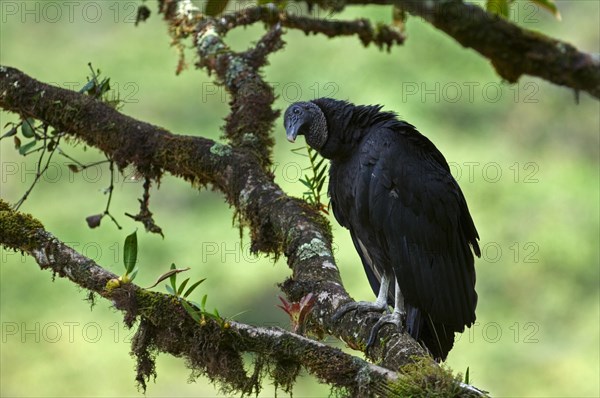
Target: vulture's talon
column 373, row 308
column 395, row 318
column 360, row 307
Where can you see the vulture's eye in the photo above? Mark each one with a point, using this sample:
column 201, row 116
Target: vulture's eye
column 296, row 111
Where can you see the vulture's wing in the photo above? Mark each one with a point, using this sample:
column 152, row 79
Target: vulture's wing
column 415, row 216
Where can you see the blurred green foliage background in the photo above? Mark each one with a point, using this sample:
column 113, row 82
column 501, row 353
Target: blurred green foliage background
column 526, row 157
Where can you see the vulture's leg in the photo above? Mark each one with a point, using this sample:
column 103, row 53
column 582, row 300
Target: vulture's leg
column 397, row 317
column 379, row 305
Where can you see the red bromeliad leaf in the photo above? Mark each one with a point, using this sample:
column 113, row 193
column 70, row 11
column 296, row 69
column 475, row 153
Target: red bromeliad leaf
column 298, row 311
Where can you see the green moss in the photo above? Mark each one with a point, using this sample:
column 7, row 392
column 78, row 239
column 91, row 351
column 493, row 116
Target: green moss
column 422, row 378
column 220, row 149
column 208, row 348
column 284, row 373
column 153, row 304
column 18, row 229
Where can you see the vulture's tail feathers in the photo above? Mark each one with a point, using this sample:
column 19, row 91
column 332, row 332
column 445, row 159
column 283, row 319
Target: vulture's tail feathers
column 433, row 336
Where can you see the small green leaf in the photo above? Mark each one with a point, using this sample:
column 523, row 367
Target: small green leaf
column 173, row 278
column 320, row 186
column 182, row 286
column 27, row 128
column 23, row 149
column 89, row 85
column 134, row 274
column 195, row 304
column 203, row 303
column 196, row 316
column 306, row 183
column 499, row 7
column 302, row 148
column 191, row 288
column 10, row 133
column 170, row 290
column 549, row 5
column 168, row 274
column 319, row 163
column 321, row 174
column 215, row 7
column 467, row 376
column 104, row 87
column 130, row 252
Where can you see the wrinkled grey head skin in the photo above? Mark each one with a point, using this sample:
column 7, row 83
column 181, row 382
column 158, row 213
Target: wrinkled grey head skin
column 307, row 119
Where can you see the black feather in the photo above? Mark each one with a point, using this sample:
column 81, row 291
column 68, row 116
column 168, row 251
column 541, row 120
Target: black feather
column 392, row 188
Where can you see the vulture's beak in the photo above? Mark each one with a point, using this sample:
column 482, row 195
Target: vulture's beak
column 292, row 132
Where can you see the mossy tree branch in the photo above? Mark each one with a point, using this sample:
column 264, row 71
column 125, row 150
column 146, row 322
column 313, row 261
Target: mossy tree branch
column 213, row 349
column 250, row 121
column 513, row 51
column 382, row 36
column 277, row 223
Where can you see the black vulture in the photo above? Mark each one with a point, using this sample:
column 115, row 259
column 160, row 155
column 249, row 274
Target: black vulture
column 409, row 221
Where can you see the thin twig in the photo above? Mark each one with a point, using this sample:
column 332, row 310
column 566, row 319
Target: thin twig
column 110, row 193
column 39, row 171
column 78, row 163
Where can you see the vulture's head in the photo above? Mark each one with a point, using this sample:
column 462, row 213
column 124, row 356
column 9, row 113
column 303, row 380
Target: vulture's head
column 307, row 119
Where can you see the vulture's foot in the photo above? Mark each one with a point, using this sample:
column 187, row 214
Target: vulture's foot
column 395, row 318
column 359, row 306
